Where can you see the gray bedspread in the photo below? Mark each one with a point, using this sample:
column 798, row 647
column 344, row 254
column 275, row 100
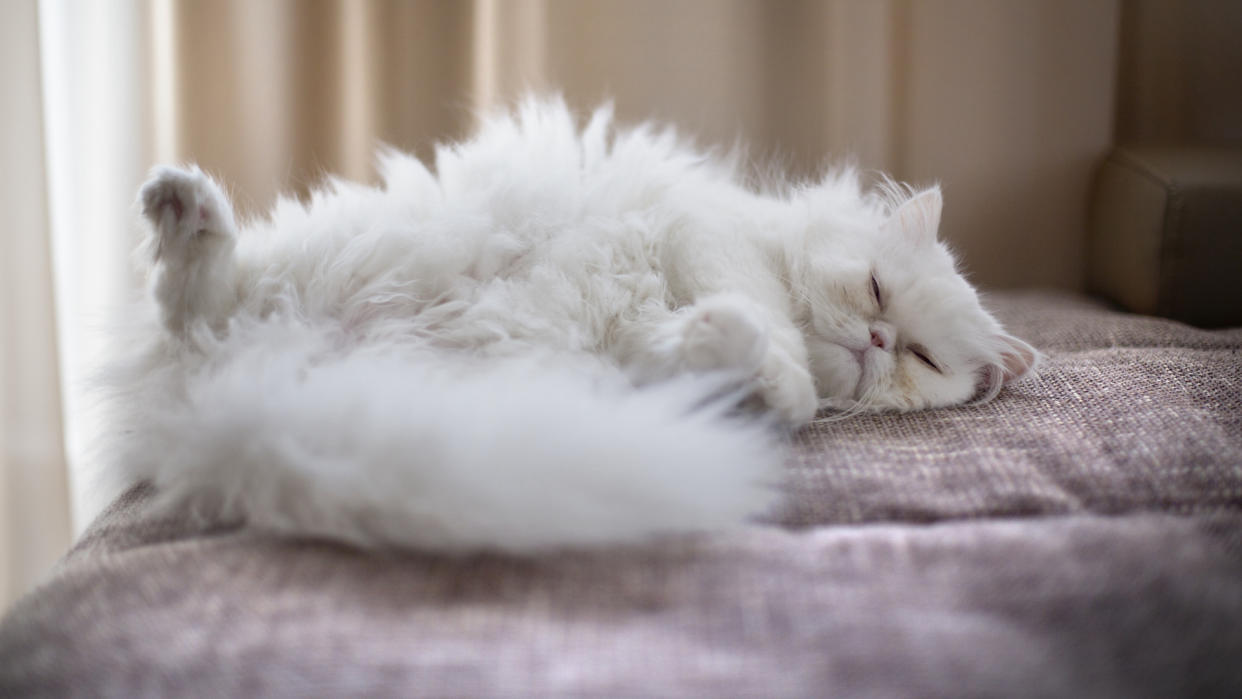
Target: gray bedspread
column 1079, row 536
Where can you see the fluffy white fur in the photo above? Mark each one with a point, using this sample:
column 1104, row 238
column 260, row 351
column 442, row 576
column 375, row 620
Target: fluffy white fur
column 542, row 343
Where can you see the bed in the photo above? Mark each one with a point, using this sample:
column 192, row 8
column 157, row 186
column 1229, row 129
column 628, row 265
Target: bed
column 1079, row 536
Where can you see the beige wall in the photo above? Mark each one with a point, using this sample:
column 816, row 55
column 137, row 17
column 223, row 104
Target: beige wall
column 1181, row 72
column 1010, row 106
column 1007, row 103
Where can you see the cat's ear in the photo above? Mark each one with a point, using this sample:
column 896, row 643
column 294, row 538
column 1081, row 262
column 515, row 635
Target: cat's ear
column 918, row 218
column 1018, row 359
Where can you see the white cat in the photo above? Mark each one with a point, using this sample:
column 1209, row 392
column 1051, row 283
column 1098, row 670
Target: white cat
column 541, row 344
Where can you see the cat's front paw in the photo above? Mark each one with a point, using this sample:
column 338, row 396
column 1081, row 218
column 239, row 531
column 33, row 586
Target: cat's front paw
column 724, row 333
column 788, row 389
column 183, row 206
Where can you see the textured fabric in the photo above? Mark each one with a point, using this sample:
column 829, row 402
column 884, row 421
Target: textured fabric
column 1079, row 536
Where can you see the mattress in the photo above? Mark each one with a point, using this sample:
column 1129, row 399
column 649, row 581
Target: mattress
column 1079, row 536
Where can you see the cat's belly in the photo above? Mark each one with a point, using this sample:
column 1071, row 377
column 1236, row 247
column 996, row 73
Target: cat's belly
column 506, row 295
column 540, row 310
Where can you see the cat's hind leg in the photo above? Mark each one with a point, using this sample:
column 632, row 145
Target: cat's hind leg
column 192, row 235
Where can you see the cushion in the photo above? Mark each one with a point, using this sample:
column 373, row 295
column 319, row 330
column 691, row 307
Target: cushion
column 1079, row 536
column 1166, row 233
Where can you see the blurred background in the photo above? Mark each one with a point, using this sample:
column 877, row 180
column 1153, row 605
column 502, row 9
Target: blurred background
column 1009, row 104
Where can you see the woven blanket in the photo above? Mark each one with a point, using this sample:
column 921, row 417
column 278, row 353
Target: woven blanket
column 1079, row 536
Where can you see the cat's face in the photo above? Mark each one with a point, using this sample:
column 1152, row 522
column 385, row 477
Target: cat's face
column 890, row 324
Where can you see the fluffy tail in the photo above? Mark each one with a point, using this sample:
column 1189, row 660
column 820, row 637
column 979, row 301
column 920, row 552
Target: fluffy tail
column 383, row 451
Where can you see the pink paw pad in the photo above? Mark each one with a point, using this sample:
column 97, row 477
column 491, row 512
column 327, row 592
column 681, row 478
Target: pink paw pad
column 177, row 207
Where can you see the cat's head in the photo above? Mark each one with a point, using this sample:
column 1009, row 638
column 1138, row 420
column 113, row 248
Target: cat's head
column 891, row 324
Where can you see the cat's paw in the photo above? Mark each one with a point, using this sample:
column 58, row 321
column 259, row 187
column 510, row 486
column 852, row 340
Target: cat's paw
column 183, row 206
column 192, row 241
column 788, row 389
column 724, row 333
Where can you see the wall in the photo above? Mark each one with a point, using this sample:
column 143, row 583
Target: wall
column 1180, row 78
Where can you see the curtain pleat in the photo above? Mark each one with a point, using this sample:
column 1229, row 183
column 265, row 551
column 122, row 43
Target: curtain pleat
column 34, row 496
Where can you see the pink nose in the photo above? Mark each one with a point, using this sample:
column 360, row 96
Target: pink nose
column 878, row 340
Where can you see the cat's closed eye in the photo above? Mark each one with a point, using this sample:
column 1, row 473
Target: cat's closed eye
column 875, row 292
column 922, row 355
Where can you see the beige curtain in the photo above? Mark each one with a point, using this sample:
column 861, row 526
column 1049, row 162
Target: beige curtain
column 34, row 505
column 1007, row 103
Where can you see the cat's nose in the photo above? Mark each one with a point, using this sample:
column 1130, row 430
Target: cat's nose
column 881, row 337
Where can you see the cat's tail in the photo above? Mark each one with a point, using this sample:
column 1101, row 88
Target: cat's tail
column 383, row 451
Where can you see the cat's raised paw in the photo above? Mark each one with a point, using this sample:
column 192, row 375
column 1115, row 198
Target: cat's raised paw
column 183, row 205
column 723, row 332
